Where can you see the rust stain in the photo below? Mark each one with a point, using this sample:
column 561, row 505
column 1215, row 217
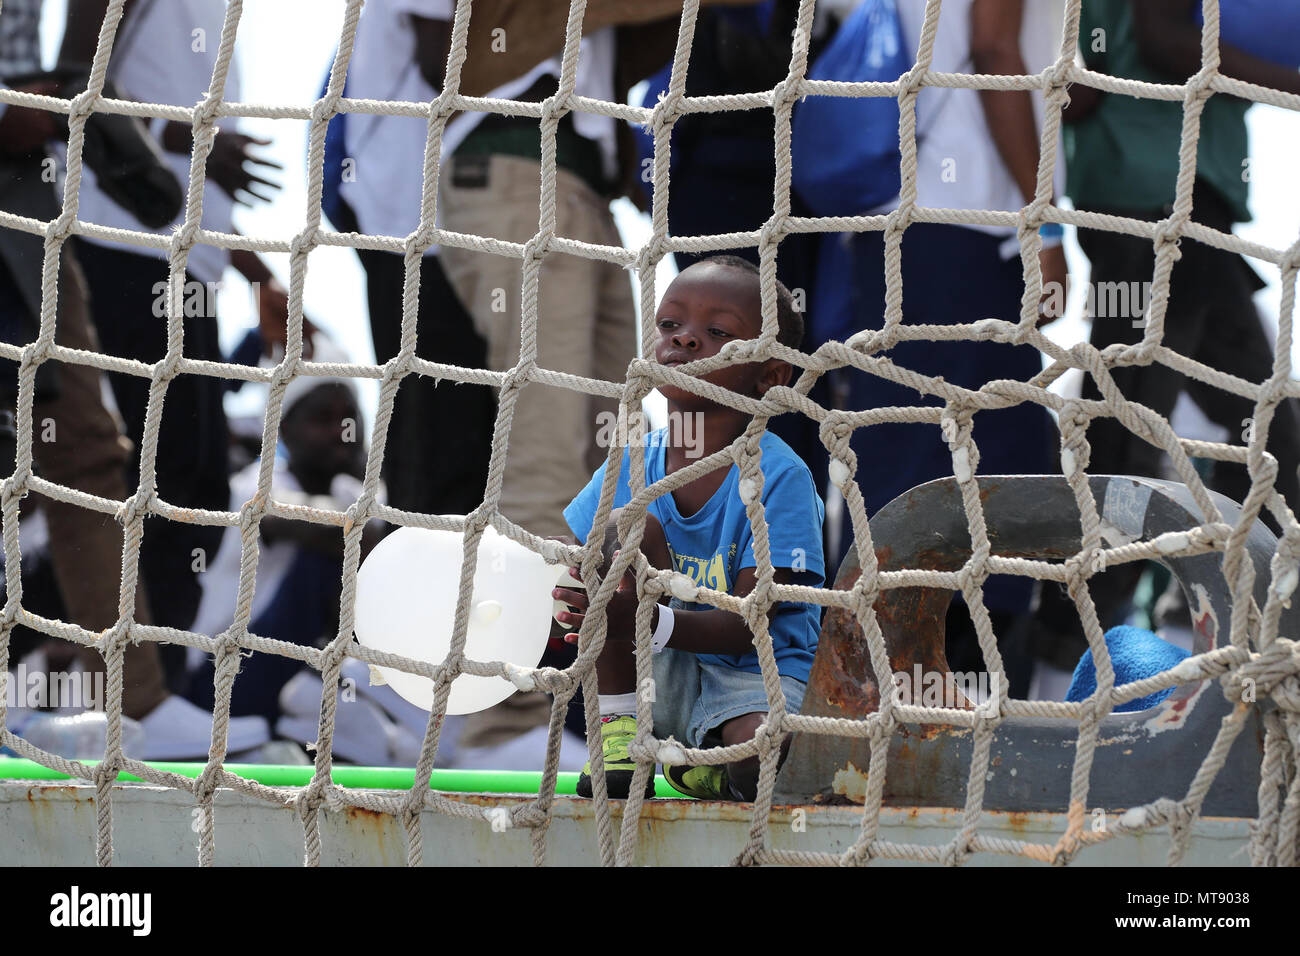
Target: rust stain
column 1017, row 822
column 373, row 816
column 56, row 790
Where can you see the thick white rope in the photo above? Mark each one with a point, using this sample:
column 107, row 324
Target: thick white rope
column 1254, row 652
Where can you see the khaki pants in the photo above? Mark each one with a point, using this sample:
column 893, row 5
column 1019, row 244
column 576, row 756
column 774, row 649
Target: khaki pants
column 586, row 325
column 89, row 453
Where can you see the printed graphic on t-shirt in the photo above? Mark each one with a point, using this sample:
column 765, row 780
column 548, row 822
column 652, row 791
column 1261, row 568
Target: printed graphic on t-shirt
column 708, row 572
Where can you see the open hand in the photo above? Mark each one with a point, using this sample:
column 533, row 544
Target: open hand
column 228, row 167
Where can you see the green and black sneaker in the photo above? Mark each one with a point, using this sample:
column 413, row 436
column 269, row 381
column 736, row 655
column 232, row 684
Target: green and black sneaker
column 616, row 733
column 703, row 782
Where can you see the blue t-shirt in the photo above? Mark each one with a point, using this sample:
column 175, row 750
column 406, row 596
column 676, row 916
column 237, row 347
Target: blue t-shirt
column 713, row 545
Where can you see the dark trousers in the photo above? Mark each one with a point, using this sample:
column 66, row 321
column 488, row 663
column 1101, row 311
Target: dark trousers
column 1211, row 318
column 192, row 463
column 440, row 436
column 78, row 443
column 951, row 275
column 304, row 610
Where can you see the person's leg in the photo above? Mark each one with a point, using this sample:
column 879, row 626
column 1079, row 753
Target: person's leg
column 1233, row 341
column 1122, row 267
column 191, row 465
column 895, row 457
column 732, row 706
column 439, row 436
column 614, row 334
column 85, row 450
column 551, row 430
column 546, row 463
column 672, row 693
column 303, row 610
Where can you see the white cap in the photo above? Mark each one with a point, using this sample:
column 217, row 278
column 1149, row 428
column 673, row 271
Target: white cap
column 324, row 351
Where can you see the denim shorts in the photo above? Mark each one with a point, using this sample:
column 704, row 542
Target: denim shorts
column 693, row 696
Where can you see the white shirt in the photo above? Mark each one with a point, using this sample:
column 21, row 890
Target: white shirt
column 388, row 151
column 159, row 57
column 220, row 581
column 958, row 165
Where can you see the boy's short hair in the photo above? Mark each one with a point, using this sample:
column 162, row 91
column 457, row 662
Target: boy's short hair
column 789, row 321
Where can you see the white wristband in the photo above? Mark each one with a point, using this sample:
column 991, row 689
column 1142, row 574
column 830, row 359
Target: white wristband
column 663, row 630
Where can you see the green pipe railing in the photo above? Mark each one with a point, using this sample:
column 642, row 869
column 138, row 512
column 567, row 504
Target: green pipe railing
column 362, row 778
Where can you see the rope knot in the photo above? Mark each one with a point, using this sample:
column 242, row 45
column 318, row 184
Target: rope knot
column 535, row 249
column 205, row 114
column 135, row 507
column 82, row 105
column 1168, row 234
column 41, row 350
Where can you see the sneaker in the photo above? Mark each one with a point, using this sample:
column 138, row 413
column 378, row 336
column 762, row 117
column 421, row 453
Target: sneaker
column 361, row 731
column 703, row 782
column 178, row 730
column 616, row 733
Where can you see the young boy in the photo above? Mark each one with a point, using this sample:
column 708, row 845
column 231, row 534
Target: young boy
column 708, row 686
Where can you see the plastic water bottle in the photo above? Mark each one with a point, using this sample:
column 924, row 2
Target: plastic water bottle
column 82, row 736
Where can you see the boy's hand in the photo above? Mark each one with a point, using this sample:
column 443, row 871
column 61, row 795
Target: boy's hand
column 620, row 612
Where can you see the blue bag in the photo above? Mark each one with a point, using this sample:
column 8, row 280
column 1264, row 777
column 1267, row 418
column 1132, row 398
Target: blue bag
column 845, row 149
column 1268, row 29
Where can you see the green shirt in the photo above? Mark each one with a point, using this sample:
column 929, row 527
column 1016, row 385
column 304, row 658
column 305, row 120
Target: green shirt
column 1125, row 155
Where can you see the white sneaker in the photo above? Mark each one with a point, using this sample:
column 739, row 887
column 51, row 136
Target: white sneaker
column 179, row 730
column 361, row 731
column 412, row 720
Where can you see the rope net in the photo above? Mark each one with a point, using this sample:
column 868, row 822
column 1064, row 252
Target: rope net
column 1255, row 649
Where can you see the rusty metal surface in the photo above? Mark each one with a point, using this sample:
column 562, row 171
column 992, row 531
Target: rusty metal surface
column 55, row 825
column 1140, row 756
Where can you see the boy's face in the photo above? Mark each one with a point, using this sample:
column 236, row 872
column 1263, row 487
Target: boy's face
column 707, row 306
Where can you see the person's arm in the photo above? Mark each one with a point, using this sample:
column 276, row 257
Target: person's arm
column 272, row 303
column 713, row 631
column 995, row 50
column 1169, row 40
column 534, row 31
column 81, row 29
column 432, row 41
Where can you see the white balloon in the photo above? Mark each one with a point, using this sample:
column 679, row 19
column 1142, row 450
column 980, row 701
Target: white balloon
column 406, row 604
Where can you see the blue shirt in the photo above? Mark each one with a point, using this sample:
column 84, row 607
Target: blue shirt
column 713, row 545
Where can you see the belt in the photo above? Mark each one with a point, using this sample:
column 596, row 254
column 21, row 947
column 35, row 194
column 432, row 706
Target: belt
column 500, row 135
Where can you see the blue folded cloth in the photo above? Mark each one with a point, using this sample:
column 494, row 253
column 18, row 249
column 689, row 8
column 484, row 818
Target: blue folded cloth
column 1135, row 654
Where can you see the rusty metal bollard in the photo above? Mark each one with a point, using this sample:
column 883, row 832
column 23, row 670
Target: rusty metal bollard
column 1141, row 755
